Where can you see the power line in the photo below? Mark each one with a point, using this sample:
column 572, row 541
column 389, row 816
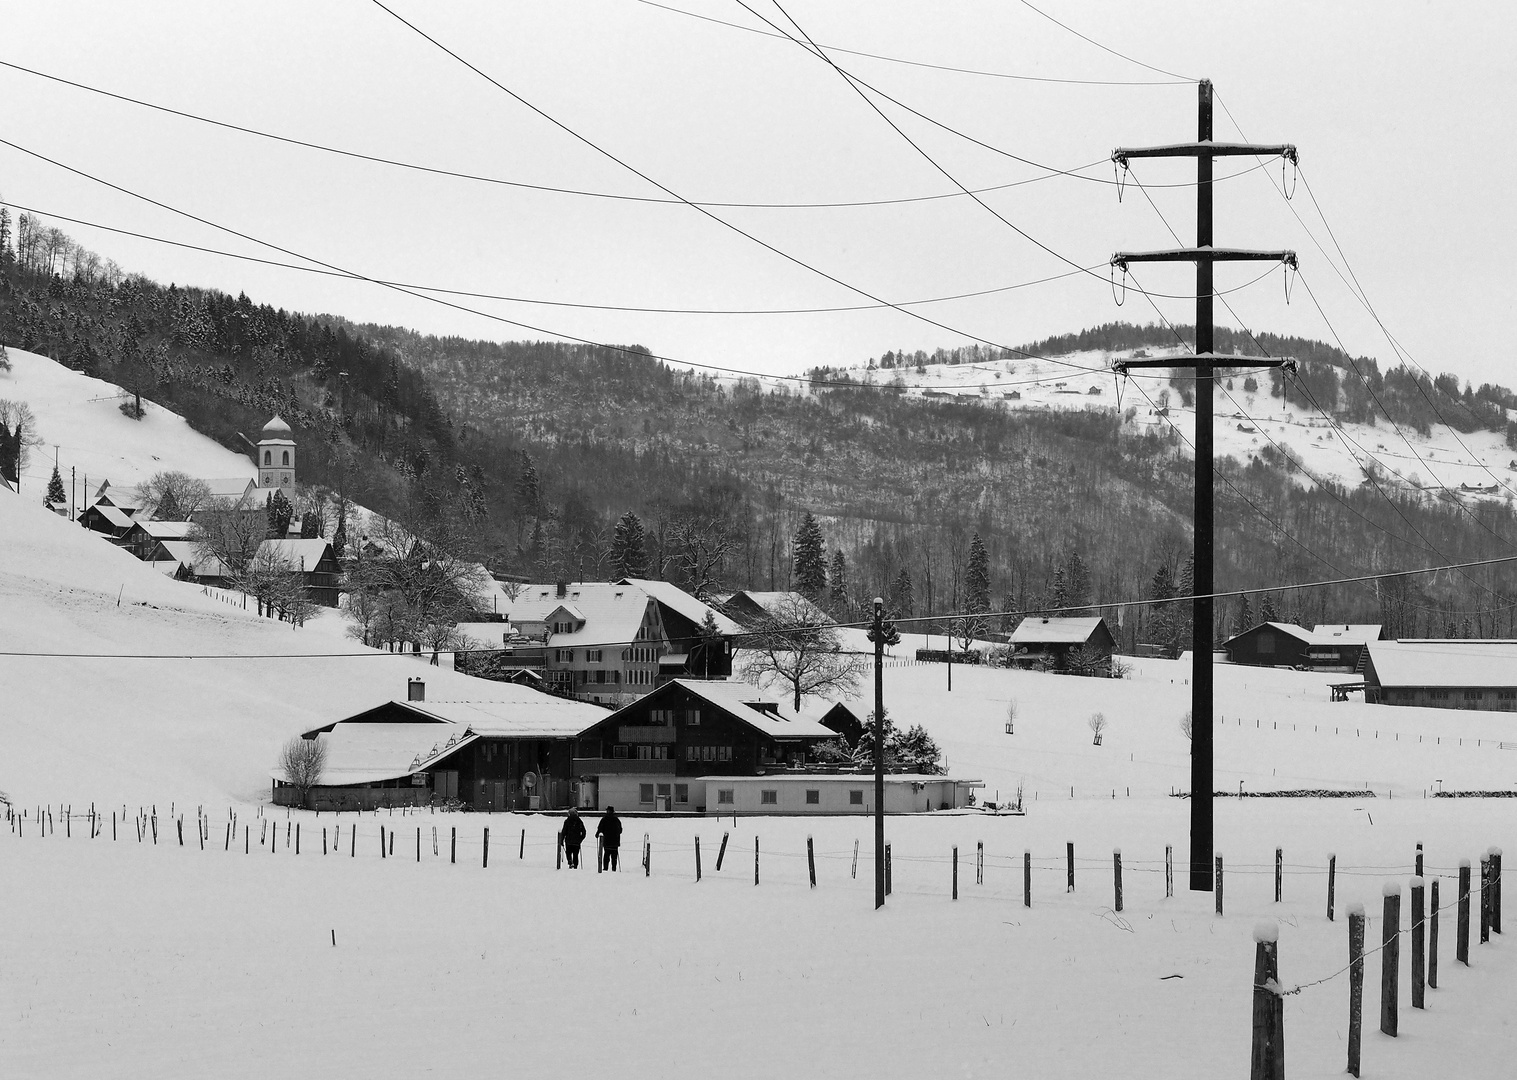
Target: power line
column 1175, row 81
column 1106, row 48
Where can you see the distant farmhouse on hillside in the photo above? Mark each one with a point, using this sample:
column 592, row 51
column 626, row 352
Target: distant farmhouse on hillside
column 1327, row 647
column 1060, row 643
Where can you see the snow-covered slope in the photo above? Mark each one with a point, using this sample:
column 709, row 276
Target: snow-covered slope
column 80, row 418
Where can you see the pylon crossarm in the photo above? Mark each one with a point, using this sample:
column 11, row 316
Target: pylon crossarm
column 1202, row 254
column 1206, row 148
column 1206, row 360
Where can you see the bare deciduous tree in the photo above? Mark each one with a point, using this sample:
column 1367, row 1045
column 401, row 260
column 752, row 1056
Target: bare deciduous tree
column 797, row 647
column 701, row 545
column 229, row 532
column 1012, row 708
column 175, row 496
column 302, row 761
column 18, row 437
column 1185, row 724
column 1097, row 725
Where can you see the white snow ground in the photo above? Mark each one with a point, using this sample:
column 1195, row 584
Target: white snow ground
column 136, row 959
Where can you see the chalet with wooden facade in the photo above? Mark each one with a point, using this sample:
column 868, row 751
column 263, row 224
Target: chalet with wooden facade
column 692, row 655
column 1328, row 647
column 513, row 751
column 1048, row 642
column 1443, row 674
column 751, row 606
column 314, row 560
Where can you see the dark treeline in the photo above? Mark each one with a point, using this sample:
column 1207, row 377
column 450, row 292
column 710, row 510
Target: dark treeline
column 552, row 444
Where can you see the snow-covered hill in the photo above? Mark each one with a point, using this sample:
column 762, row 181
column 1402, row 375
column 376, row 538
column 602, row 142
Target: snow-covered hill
column 79, row 417
column 1246, row 424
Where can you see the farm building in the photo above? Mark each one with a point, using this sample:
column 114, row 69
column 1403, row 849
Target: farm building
column 1328, row 647
column 751, row 606
column 833, row 793
column 1443, row 674
column 1341, row 646
column 1049, row 641
column 511, row 752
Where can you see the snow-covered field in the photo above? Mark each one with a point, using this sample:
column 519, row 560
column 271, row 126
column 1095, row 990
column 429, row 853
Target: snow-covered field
column 134, row 959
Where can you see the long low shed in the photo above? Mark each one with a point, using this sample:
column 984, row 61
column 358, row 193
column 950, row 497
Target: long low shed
column 833, row 793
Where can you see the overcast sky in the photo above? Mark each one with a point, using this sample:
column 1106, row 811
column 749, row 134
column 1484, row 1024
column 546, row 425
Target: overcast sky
column 1402, row 113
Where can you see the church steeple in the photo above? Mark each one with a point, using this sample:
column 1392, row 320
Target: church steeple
column 276, row 458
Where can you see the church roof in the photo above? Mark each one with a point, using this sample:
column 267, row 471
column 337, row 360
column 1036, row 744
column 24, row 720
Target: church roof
column 276, row 429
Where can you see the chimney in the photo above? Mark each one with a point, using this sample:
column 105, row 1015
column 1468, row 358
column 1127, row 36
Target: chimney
column 563, row 589
column 416, row 690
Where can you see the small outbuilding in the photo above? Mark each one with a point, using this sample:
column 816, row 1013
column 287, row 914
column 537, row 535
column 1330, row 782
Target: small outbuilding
column 1049, row 642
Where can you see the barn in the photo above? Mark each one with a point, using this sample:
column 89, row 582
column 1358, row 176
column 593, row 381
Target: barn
column 1270, row 644
column 1443, row 674
column 1048, row 642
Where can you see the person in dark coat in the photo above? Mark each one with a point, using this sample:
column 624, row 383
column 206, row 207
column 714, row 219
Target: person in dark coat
column 610, row 832
column 572, row 835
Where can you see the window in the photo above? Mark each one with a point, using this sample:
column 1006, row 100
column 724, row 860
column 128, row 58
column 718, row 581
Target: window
column 693, row 717
column 724, row 795
column 682, row 793
column 1266, row 644
column 1473, row 695
column 663, row 791
column 813, row 796
column 661, row 753
column 855, row 798
column 645, row 793
column 618, row 751
column 592, row 656
column 724, row 753
column 286, row 457
column 645, row 753
column 268, row 457
column 769, row 796
column 564, row 656
column 708, row 753
column 692, row 753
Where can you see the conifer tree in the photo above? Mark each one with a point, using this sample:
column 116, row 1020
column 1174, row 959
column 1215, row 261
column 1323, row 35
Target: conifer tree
column 977, row 578
column 280, row 511
column 56, row 496
column 1160, row 621
column 838, row 574
column 902, row 595
column 1185, row 617
column 810, row 557
column 629, row 551
column 1267, row 612
column 1245, row 619
column 1076, row 583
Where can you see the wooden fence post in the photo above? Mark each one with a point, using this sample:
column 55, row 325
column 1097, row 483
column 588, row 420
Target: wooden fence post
column 1418, row 871
column 1485, row 900
column 485, row 860
column 979, row 862
column 1027, row 879
column 1419, row 945
column 1355, row 984
column 855, row 871
column 721, row 851
column 697, row 858
column 381, row 840
column 418, row 842
column 647, row 857
column 1267, row 1057
column 956, row 871
column 1332, row 883
column 811, row 864
column 179, row 825
column 1116, row 875
column 1390, row 958
column 887, row 870
column 1279, row 873
column 453, row 846
column 1495, row 890
column 1432, row 938
column 1217, row 888
column 1069, row 862
column 522, row 853
column 247, row 845
column 1169, row 871
column 1462, row 927
column 756, row 861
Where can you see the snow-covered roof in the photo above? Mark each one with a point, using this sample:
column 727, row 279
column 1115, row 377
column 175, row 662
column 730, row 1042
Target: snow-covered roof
column 1345, row 633
column 276, row 430
column 113, row 514
column 672, row 596
column 166, row 530
column 297, row 553
column 366, row 753
column 612, row 614
column 740, row 699
column 1054, row 630
column 186, row 553
column 1450, row 663
column 518, row 712
column 229, row 487
column 770, row 601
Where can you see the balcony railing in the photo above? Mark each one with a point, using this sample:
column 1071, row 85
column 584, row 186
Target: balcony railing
column 644, row 733
column 621, row 766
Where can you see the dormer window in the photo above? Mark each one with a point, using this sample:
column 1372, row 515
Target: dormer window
column 618, row 596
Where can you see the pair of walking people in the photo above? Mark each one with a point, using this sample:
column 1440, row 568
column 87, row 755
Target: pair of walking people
column 572, row 835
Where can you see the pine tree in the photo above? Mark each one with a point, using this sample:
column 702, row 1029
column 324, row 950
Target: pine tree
column 629, row 551
column 280, row 512
column 1245, row 619
column 810, row 555
column 340, row 536
column 1267, row 612
column 56, row 496
column 902, row 595
column 838, row 575
column 1058, row 595
column 977, row 578
column 1185, row 617
column 1076, row 583
column 1161, row 619
column 529, row 492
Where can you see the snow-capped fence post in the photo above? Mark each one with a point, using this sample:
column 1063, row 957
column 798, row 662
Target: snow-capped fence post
column 1069, row 862
column 297, row 838
column 1418, row 871
column 1267, row 1056
column 887, row 870
column 647, row 857
column 1390, row 959
column 697, row 858
column 1462, row 924
column 1419, row 945
column 274, row 840
column 1027, row 879
column 1485, row 900
column 1332, row 883
column 1279, row 873
column 381, row 841
column 418, row 843
column 755, row 860
column 113, row 825
column 353, row 841
column 453, row 846
column 1217, row 888
column 228, row 832
column 956, row 871
column 979, row 862
column 155, row 828
column 1496, row 890
column 247, row 845
column 485, row 857
column 721, row 852
column 1169, row 871
column 1116, row 876
column 1355, row 984
column 180, row 826
column 323, row 841
column 1432, row 938
column 855, row 870
column 811, row 866
column 522, row 852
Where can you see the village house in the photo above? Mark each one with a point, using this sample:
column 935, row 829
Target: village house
column 510, row 751
column 314, row 560
column 683, row 616
column 723, row 748
column 1327, row 647
column 1443, row 674
column 752, row 606
column 1049, row 642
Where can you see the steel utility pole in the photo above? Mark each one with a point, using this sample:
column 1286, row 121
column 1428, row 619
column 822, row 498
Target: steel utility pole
column 882, row 633
column 1206, row 362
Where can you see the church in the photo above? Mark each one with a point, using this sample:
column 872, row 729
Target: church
column 276, row 458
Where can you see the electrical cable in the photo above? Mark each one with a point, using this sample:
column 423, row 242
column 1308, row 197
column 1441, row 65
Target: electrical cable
column 1176, row 81
column 1106, row 48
